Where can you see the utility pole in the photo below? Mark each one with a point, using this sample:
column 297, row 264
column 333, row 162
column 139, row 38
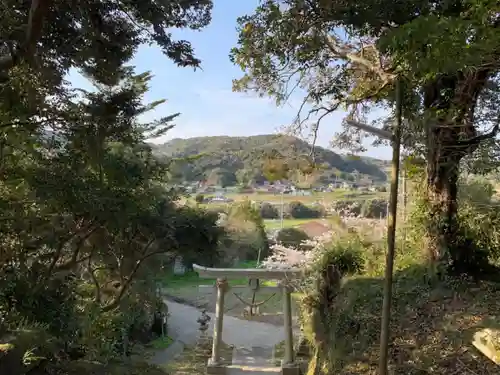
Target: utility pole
column 282, row 209
column 395, row 138
column 391, row 236
column 405, row 200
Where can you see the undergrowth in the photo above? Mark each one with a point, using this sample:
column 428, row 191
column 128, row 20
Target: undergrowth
column 432, row 324
column 433, row 319
column 194, row 359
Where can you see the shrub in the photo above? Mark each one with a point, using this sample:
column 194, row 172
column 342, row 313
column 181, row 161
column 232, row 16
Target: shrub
column 200, row 198
column 245, row 234
column 298, row 210
column 269, row 211
column 347, row 207
column 346, row 248
column 292, row 237
column 478, row 238
column 345, row 252
column 374, row 208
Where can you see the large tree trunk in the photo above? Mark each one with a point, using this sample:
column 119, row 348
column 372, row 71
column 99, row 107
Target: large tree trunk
column 442, row 186
column 447, row 245
column 451, row 135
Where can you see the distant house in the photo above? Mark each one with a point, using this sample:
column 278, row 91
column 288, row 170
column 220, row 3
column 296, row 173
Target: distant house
column 314, row 228
column 347, row 185
column 301, row 192
column 220, row 199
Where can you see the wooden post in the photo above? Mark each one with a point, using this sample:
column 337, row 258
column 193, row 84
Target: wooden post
column 391, row 236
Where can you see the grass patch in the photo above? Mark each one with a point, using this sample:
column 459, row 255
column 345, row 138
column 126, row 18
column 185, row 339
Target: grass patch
column 287, row 223
column 161, row 342
column 191, row 279
column 194, row 359
column 315, row 197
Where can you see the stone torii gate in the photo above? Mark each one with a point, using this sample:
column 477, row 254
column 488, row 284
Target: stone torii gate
column 215, row 365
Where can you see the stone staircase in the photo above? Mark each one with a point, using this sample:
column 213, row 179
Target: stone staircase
column 255, row 360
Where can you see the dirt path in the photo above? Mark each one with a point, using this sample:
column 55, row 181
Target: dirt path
column 204, row 297
column 182, row 326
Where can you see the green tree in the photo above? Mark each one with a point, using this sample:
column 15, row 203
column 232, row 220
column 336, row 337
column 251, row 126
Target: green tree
column 268, row 211
column 87, row 221
column 292, row 237
column 351, row 54
column 98, row 37
column 244, row 217
column 299, row 210
column 221, row 177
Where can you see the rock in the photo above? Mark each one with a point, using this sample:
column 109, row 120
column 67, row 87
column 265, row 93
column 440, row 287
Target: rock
column 487, row 341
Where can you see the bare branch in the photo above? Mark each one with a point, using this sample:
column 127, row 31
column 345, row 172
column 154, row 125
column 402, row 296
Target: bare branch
column 337, row 49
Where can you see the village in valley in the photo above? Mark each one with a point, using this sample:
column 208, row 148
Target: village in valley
column 192, row 187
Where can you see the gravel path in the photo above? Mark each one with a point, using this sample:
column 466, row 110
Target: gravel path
column 183, row 328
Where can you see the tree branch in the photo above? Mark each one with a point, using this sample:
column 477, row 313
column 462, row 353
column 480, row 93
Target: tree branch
column 124, row 287
column 94, row 279
column 480, row 138
column 36, row 17
column 342, row 52
column 76, row 251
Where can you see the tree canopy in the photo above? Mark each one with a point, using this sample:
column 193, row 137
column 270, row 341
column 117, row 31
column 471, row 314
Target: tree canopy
column 89, row 218
column 87, row 205
column 349, row 55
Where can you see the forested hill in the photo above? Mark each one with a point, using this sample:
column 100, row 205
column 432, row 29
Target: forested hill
column 242, row 157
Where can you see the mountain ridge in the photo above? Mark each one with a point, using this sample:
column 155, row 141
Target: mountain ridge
column 240, row 156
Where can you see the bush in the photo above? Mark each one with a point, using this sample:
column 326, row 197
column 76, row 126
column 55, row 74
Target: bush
column 200, row 198
column 374, row 208
column 299, row 210
column 478, row 240
column 269, row 211
column 347, row 207
column 292, row 237
column 345, row 253
column 245, row 235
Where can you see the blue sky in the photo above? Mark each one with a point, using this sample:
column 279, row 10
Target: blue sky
column 204, row 97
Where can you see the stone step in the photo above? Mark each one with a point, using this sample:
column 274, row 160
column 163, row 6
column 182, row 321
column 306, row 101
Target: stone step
column 252, row 370
column 253, row 357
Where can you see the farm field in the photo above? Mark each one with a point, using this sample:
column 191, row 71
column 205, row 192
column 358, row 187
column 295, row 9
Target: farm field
column 272, row 224
column 315, row 197
column 321, row 198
